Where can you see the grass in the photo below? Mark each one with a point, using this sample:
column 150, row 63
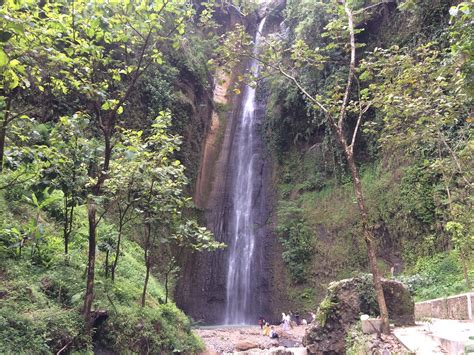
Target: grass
column 397, row 210
column 41, row 299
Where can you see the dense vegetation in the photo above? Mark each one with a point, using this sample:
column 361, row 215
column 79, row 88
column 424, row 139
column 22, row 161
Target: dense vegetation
column 412, row 96
column 94, row 209
column 104, row 106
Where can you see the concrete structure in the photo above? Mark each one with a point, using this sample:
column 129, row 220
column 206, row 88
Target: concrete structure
column 454, row 307
column 437, row 336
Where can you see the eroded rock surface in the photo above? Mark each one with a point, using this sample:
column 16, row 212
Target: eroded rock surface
column 345, row 301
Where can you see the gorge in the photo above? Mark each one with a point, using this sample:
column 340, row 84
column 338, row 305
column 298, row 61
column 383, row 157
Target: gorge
column 168, row 165
column 229, row 286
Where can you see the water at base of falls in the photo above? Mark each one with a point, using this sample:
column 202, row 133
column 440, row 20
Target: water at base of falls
column 241, row 270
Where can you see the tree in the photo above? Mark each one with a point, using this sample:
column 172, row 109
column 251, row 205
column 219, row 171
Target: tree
column 424, row 96
column 69, row 156
column 18, row 71
column 123, row 186
column 102, row 48
column 463, row 241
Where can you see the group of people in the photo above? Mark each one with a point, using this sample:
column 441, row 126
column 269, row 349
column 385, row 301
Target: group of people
column 268, row 331
column 286, row 323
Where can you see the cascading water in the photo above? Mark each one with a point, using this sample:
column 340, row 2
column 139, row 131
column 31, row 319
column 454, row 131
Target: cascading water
column 239, row 292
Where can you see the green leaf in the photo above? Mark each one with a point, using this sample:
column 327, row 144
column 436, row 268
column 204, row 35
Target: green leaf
column 34, row 199
column 3, row 58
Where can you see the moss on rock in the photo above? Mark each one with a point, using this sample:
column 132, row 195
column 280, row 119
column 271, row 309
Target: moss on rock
column 343, row 304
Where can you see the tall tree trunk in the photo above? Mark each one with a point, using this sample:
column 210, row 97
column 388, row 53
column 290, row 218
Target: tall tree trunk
column 66, row 225
column 367, row 232
column 147, row 244
column 147, row 277
column 166, row 287
column 3, row 135
column 107, row 264
column 147, row 254
column 117, row 252
column 92, row 211
column 89, row 296
column 3, row 128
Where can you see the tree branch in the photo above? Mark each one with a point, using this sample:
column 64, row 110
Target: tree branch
column 342, row 112
column 372, row 6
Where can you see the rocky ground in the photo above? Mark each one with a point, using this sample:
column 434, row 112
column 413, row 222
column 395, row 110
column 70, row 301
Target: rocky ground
column 238, row 340
column 221, row 340
column 377, row 345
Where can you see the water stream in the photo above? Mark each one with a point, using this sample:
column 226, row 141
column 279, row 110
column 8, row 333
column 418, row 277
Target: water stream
column 239, row 291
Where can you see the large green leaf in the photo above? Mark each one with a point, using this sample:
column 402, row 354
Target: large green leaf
column 3, row 58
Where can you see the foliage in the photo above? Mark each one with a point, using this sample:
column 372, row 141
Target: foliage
column 325, row 308
column 42, row 303
column 80, row 147
column 416, row 148
column 297, row 240
column 356, row 340
column 462, row 239
column 367, row 300
column 436, row 276
column 161, row 329
column 43, row 331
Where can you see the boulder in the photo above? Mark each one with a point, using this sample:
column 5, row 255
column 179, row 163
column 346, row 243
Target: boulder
column 244, row 345
column 342, row 306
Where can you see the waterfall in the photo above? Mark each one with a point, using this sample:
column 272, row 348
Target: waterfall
column 241, row 263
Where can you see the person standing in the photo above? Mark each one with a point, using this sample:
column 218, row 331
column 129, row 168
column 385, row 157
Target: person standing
column 285, row 321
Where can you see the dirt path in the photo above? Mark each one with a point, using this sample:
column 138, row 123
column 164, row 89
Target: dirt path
column 220, row 340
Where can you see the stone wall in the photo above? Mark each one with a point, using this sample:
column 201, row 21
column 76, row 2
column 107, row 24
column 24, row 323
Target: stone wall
column 454, row 307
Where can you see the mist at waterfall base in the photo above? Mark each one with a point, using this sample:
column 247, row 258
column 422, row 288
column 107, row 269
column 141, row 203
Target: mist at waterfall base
column 240, row 268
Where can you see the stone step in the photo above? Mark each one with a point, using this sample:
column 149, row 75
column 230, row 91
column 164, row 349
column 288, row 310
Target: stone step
column 448, row 345
column 417, row 341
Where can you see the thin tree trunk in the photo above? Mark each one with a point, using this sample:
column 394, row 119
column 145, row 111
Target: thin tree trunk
column 122, row 222
column 107, row 264
column 3, row 130
column 147, row 258
column 147, row 277
column 89, row 296
column 368, row 234
column 166, row 287
column 3, row 134
column 117, row 252
column 66, row 225
column 71, row 219
column 147, row 245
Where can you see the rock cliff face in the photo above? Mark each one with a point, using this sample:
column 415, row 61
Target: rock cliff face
column 201, row 291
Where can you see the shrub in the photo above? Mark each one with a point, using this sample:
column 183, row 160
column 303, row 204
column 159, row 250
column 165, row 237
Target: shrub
column 43, row 331
column 162, row 329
